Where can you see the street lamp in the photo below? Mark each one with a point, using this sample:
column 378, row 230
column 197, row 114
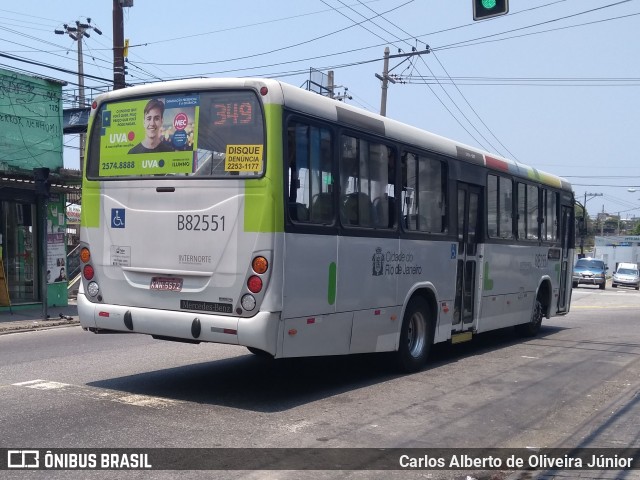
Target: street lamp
column 77, row 32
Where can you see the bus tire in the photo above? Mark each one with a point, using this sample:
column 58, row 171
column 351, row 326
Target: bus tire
column 532, row 328
column 415, row 336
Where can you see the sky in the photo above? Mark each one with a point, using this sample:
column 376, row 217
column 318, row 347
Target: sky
column 555, row 84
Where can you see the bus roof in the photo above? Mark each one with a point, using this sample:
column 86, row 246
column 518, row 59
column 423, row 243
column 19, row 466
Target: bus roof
column 317, row 105
column 324, row 107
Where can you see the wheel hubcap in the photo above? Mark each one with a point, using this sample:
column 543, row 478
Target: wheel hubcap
column 416, row 334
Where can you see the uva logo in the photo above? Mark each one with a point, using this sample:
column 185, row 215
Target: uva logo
column 152, row 163
column 121, row 137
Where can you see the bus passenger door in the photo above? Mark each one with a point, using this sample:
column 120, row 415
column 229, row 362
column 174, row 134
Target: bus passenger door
column 567, row 256
column 469, row 264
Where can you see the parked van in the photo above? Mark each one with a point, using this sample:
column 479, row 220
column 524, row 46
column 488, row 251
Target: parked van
column 590, row 271
column 626, row 275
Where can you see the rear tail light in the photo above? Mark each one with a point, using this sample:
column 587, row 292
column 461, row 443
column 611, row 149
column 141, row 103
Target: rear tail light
column 258, row 275
column 93, row 289
column 85, row 255
column 254, row 284
column 260, row 265
column 87, row 272
column 248, row 302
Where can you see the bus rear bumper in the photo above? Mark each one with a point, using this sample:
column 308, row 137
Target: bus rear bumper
column 260, row 331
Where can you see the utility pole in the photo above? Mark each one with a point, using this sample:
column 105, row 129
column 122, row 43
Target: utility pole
column 385, row 85
column 386, row 78
column 586, row 217
column 118, row 44
column 332, row 88
column 330, row 83
column 77, row 33
column 42, row 189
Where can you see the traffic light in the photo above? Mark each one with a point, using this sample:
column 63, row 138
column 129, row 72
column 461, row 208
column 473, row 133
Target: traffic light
column 489, row 8
column 41, row 181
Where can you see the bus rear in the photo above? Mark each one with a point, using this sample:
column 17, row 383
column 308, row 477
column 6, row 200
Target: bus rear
column 179, row 216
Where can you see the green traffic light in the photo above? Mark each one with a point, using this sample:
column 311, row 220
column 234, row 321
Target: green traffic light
column 483, row 9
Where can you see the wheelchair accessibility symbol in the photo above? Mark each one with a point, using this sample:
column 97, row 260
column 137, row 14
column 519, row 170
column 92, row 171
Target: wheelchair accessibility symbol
column 117, row 218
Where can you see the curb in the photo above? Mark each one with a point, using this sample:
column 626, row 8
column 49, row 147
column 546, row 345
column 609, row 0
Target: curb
column 33, row 325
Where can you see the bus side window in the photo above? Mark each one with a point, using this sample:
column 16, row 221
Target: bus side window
column 528, row 224
column 367, row 183
column 310, row 160
column 499, row 207
column 550, row 211
column 424, row 193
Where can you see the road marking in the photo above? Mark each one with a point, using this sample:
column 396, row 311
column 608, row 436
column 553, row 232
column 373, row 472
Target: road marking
column 84, row 391
column 601, row 307
column 295, row 427
column 42, row 385
column 533, row 358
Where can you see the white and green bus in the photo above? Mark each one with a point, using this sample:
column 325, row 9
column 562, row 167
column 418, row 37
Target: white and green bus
column 254, row 213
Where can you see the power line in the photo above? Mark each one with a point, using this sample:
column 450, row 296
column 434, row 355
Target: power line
column 356, row 63
column 466, row 43
column 305, row 42
column 346, row 65
column 53, row 67
column 474, row 110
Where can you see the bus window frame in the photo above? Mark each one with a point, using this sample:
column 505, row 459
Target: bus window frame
column 147, row 96
column 521, row 181
column 544, row 199
column 445, row 163
column 358, row 230
column 514, row 208
column 292, row 225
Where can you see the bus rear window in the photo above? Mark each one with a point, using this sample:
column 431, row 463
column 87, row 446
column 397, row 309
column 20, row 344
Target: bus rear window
column 187, row 134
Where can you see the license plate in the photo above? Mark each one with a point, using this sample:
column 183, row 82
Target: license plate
column 173, row 284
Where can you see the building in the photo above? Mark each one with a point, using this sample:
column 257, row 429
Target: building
column 617, row 249
column 33, row 224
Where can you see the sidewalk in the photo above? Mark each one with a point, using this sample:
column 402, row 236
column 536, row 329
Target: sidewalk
column 22, row 320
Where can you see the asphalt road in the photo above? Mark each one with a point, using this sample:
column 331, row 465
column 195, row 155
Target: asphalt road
column 575, row 385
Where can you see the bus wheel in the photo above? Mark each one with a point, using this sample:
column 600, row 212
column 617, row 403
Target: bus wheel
column 532, row 328
column 415, row 336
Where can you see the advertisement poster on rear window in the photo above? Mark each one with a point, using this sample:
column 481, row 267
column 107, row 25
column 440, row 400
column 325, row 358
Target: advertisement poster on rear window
column 154, row 136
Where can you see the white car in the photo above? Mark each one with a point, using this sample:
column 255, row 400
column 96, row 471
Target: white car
column 626, row 277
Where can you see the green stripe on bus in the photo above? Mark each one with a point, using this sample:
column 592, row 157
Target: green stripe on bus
column 331, row 294
column 90, row 213
column 264, row 198
column 488, row 282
